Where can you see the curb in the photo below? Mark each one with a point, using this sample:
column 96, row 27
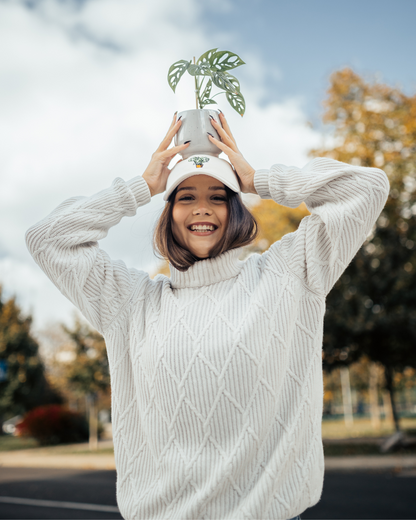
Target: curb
column 10, row 460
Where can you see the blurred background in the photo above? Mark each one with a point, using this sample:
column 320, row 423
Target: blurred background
column 84, row 98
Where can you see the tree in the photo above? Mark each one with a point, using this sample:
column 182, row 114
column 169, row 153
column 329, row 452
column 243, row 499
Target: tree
column 275, row 221
column 372, row 307
column 86, row 371
column 25, row 385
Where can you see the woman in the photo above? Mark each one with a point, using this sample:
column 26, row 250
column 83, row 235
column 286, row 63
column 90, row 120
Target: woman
column 216, row 372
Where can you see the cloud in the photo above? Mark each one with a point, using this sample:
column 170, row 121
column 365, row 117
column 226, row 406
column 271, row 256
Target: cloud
column 84, row 99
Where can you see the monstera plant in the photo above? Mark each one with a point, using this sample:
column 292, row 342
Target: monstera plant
column 213, row 66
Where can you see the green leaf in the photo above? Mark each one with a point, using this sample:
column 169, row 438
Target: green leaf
column 207, row 91
column 176, row 71
column 233, row 80
column 199, row 70
column 237, row 101
column 205, row 59
column 221, row 81
column 208, row 102
column 225, row 60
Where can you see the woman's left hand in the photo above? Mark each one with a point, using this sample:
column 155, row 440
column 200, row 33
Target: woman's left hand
column 244, row 171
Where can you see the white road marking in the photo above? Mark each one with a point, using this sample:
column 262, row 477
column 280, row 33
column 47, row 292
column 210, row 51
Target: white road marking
column 60, row 505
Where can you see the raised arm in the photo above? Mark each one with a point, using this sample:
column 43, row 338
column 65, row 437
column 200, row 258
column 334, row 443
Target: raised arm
column 64, row 245
column 345, row 202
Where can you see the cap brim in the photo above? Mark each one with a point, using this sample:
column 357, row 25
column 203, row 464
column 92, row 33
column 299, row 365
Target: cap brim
column 196, row 172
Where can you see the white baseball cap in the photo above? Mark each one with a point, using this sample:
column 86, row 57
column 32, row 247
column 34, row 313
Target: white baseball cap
column 205, row 164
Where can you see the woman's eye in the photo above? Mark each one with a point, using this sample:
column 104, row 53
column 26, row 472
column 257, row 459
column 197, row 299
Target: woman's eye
column 216, row 198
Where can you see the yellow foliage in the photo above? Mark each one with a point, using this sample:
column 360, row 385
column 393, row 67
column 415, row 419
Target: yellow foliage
column 375, row 125
column 163, row 269
column 275, row 221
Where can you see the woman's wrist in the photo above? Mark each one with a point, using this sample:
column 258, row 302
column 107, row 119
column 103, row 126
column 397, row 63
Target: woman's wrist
column 151, row 189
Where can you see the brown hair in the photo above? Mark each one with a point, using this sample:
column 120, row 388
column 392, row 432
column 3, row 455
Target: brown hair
column 242, row 229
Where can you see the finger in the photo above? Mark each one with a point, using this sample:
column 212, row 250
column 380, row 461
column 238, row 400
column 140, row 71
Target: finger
column 221, row 145
column 226, row 126
column 174, row 150
column 174, row 127
column 224, row 135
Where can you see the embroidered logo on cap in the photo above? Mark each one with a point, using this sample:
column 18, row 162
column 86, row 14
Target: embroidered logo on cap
column 199, row 161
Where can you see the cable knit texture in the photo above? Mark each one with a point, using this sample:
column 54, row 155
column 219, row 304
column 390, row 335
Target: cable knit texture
column 216, row 372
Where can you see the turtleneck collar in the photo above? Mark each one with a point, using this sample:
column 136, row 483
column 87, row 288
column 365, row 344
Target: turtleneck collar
column 208, row 271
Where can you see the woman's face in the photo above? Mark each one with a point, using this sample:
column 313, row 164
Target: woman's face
column 200, row 200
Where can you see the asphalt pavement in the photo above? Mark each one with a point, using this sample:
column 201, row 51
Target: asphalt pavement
column 80, row 494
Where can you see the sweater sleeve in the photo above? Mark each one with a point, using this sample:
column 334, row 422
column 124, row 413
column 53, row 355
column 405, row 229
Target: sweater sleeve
column 64, row 245
column 344, row 201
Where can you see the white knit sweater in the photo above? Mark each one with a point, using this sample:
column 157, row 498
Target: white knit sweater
column 216, row 372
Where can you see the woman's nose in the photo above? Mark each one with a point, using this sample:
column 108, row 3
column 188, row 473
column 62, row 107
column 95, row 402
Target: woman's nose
column 202, row 209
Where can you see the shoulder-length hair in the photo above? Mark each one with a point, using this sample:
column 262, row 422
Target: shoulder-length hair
column 242, row 229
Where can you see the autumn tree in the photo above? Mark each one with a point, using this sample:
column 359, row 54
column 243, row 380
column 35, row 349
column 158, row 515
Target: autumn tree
column 274, row 222
column 23, row 385
column 86, row 369
column 372, row 307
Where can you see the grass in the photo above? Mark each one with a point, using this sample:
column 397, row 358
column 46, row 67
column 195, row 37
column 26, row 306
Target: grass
column 10, row 443
column 362, row 427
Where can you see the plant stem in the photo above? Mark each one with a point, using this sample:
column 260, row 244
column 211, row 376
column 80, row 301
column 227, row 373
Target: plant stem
column 196, row 90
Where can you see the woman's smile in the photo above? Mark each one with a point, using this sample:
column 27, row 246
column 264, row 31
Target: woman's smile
column 202, row 228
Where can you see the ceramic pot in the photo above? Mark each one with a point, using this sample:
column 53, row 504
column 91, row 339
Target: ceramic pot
column 195, row 125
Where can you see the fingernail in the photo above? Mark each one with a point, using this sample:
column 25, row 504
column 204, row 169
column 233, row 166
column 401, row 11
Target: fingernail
column 186, row 142
column 210, row 135
column 175, row 113
column 179, row 118
column 220, row 111
column 211, row 117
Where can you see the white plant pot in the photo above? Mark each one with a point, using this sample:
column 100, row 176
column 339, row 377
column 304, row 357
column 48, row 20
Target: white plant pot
column 195, row 125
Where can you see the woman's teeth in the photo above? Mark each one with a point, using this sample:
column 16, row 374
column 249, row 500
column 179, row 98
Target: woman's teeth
column 202, row 228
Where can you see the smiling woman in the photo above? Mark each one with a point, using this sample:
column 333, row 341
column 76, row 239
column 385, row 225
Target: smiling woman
column 202, row 218
column 216, row 371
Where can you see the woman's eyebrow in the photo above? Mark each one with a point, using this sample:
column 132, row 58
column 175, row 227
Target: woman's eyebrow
column 210, row 188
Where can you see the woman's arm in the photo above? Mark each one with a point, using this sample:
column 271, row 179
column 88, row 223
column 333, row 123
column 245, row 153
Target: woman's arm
column 345, row 202
column 64, row 245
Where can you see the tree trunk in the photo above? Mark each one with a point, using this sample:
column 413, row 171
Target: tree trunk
column 93, row 421
column 389, row 386
column 346, row 396
column 388, row 411
column 374, row 408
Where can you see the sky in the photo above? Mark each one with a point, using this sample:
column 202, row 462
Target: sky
column 84, row 99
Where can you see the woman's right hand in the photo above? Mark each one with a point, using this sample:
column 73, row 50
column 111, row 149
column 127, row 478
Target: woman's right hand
column 157, row 173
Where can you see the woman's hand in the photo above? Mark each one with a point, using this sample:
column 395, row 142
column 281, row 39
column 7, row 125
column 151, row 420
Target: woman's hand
column 244, row 171
column 157, row 173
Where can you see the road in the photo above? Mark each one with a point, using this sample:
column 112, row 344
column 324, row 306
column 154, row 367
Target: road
column 346, row 495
